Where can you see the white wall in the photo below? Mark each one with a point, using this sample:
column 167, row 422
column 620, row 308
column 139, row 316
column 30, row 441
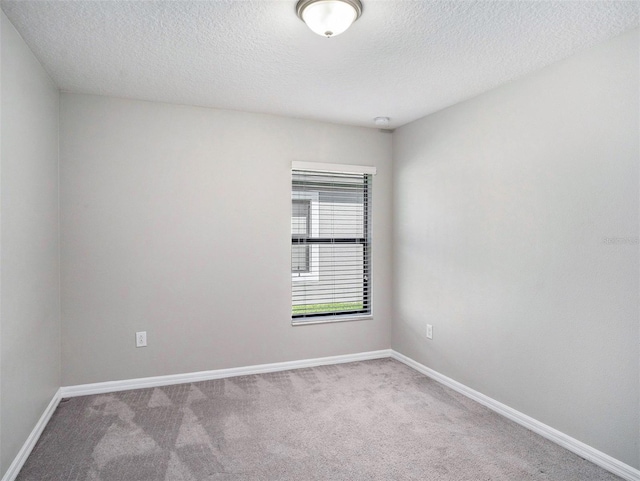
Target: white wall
column 176, row 220
column 30, row 295
column 505, row 206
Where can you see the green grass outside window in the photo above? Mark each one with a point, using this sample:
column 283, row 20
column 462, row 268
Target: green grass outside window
column 306, row 309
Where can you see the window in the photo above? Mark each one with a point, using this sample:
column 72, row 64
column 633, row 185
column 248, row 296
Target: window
column 330, row 242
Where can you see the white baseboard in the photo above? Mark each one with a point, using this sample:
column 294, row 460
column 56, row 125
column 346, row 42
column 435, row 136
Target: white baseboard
column 31, row 441
column 581, row 449
column 147, row 382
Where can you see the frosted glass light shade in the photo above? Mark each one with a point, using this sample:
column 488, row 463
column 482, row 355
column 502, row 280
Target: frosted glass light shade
column 329, row 17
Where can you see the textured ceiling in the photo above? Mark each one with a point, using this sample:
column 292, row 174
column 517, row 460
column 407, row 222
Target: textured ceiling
column 402, row 59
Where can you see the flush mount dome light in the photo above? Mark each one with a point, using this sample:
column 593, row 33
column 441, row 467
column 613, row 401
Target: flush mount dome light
column 382, row 122
column 329, row 17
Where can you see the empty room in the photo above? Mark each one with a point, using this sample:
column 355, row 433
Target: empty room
column 299, row 240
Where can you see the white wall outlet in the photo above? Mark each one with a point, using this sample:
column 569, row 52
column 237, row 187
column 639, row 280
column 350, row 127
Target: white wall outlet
column 141, row 339
column 429, row 331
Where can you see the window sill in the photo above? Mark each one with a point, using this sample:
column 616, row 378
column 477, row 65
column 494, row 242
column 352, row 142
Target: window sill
column 357, row 317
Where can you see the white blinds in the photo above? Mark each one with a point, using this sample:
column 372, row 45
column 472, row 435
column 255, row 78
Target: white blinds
column 330, row 244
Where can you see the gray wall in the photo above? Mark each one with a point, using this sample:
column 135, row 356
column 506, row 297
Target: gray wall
column 516, row 236
column 176, row 220
column 30, row 296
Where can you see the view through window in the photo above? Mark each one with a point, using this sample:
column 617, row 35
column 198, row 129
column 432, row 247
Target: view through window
column 330, row 245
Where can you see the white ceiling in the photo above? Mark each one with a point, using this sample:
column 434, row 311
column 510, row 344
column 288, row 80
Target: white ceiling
column 402, row 59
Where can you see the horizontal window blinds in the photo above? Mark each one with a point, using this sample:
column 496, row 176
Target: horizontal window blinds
column 330, row 244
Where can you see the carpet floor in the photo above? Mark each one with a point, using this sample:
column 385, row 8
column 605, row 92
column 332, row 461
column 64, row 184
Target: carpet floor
column 371, row 420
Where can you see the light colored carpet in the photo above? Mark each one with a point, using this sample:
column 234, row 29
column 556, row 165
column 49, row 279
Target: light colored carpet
column 372, row 420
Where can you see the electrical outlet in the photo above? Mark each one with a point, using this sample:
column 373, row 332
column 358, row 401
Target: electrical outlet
column 429, row 331
column 141, row 339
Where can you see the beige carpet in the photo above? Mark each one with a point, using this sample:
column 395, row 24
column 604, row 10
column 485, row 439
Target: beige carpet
column 373, row 420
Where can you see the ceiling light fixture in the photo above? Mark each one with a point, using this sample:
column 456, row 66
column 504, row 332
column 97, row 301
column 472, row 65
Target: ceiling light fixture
column 382, row 122
column 329, row 17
